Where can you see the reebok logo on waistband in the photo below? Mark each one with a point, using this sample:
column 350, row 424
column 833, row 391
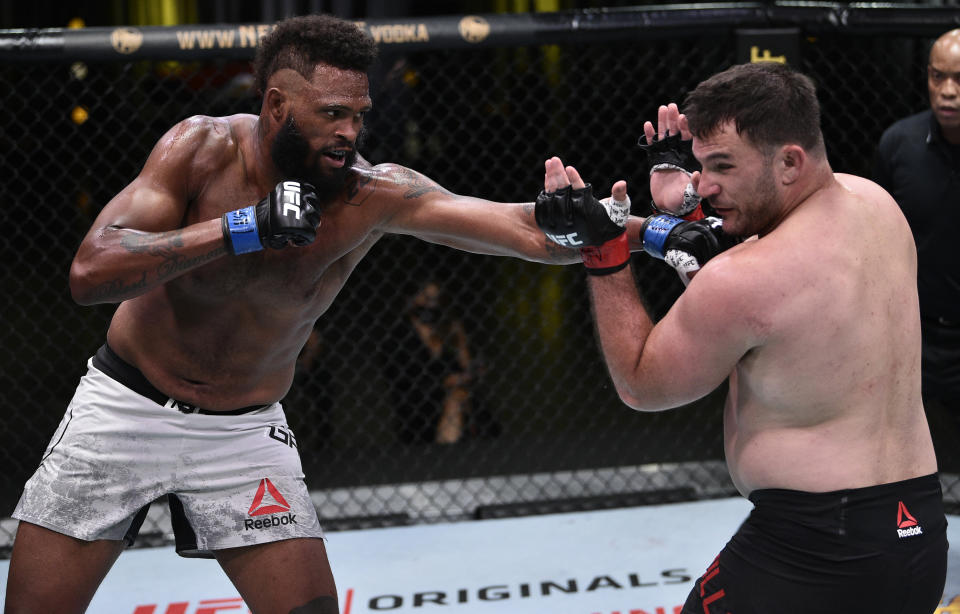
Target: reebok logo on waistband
column 907, row 525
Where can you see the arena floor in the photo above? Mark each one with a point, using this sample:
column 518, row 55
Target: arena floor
column 640, row 560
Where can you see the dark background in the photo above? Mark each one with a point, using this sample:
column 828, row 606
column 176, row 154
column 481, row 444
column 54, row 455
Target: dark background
column 479, row 121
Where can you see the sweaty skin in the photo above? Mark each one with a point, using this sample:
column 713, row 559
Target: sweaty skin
column 221, row 331
column 830, row 400
column 816, row 324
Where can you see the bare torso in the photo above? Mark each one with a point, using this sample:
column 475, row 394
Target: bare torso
column 831, row 401
column 222, row 331
column 227, row 334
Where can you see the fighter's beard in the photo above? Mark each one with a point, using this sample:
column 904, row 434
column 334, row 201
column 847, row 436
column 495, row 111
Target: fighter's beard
column 290, row 152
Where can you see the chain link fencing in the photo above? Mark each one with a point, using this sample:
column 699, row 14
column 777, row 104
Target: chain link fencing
column 545, row 430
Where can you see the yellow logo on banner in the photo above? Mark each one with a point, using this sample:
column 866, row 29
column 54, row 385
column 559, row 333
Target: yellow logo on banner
column 126, row 40
column 474, row 29
column 756, row 56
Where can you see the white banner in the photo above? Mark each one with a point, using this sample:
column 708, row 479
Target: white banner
column 640, row 560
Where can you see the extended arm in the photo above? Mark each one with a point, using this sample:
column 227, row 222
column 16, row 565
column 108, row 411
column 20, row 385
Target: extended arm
column 420, row 207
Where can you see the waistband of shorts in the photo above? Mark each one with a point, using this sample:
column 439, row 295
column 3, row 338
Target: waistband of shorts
column 116, row 368
column 869, row 510
column 927, row 485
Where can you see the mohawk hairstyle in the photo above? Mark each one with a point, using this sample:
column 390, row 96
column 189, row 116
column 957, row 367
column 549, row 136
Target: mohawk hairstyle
column 300, row 43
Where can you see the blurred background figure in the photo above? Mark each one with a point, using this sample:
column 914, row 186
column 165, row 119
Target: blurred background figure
column 433, row 374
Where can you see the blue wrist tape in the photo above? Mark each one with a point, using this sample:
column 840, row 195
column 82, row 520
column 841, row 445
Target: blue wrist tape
column 242, row 226
column 655, row 234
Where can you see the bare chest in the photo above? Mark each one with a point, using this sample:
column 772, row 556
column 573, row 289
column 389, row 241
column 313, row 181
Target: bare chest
column 293, row 277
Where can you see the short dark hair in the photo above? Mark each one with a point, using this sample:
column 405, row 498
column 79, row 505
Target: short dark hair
column 300, row 43
column 770, row 104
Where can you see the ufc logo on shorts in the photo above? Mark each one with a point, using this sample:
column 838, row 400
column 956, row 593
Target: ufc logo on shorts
column 291, row 198
column 569, row 240
column 283, row 436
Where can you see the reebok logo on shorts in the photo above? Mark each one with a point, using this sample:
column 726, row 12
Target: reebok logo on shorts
column 268, row 500
column 907, row 525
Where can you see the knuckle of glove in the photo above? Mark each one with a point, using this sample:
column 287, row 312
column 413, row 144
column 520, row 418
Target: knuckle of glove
column 546, row 212
column 593, row 222
column 697, row 239
column 555, row 214
column 672, row 151
column 291, row 217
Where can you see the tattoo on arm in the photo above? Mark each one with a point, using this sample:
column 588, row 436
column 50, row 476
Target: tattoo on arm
column 116, row 288
column 356, row 190
column 173, row 264
column 153, row 244
column 558, row 253
column 166, row 246
column 416, row 184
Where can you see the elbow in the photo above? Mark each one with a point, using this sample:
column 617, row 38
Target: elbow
column 631, row 400
column 79, row 289
column 82, row 284
column 636, row 400
column 624, row 383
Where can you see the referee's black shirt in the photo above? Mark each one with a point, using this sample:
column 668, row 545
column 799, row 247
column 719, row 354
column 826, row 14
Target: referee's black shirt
column 922, row 172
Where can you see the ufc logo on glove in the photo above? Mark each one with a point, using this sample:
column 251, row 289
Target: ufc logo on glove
column 291, row 198
column 569, row 240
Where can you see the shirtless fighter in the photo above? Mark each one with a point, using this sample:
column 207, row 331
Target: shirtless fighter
column 232, row 241
column 815, row 322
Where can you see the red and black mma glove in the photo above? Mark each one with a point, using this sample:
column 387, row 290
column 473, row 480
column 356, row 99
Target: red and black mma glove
column 684, row 245
column 574, row 218
column 673, row 153
column 287, row 215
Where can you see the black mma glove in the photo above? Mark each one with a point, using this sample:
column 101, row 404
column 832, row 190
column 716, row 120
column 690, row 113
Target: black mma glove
column 673, row 153
column 574, row 218
column 670, row 152
column 684, row 245
column 286, row 215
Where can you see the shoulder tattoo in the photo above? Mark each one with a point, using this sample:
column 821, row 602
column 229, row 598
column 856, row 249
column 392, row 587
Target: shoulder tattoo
column 359, row 187
column 415, row 185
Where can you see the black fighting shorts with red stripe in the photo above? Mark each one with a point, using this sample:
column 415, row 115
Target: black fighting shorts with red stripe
column 881, row 549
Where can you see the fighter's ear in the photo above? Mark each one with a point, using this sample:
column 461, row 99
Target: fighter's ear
column 789, row 163
column 275, row 103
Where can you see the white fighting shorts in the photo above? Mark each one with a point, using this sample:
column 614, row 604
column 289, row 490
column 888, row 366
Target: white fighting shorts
column 233, row 479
